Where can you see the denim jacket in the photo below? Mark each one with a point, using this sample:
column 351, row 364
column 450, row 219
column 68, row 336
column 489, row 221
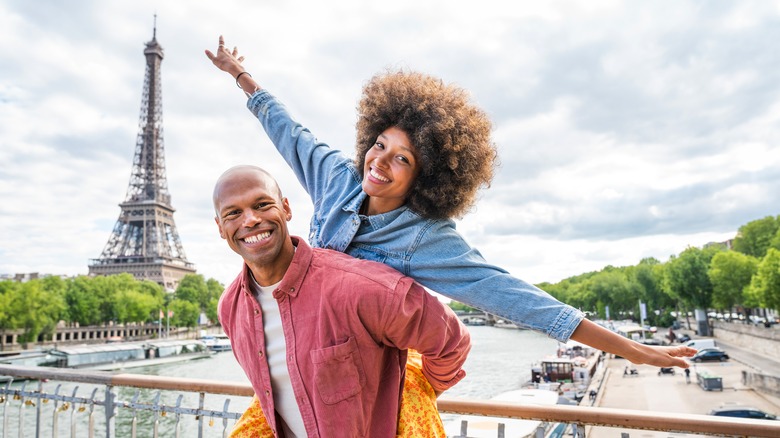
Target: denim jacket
column 430, row 251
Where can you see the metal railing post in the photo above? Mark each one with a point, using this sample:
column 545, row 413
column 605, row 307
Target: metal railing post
column 72, row 414
column 21, row 410
column 178, row 413
column 134, row 421
column 91, row 431
column 4, row 402
column 201, row 405
column 224, row 419
column 108, row 407
column 38, row 407
column 56, row 413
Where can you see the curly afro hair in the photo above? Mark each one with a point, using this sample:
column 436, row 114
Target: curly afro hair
column 450, row 134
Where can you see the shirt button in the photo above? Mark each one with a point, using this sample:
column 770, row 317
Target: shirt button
column 260, row 354
column 257, row 311
column 292, row 289
column 267, row 393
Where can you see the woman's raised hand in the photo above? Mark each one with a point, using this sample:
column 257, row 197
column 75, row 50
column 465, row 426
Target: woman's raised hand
column 226, row 60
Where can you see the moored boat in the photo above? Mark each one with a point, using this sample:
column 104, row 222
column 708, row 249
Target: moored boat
column 127, row 354
column 217, row 343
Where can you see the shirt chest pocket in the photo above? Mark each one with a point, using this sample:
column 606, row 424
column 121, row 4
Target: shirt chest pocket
column 339, row 371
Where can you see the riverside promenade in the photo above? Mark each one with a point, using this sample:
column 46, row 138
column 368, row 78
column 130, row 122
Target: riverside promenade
column 671, row 394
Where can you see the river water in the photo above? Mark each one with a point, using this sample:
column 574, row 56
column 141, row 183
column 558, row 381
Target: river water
column 500, row 360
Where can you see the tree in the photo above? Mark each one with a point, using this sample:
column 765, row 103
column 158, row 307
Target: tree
column 82, row 301
column 612, row 288
column 686, row 278
column 36, row 310
column 193, row 288
column 755, row 237
column 730, row 273
column 766, row 283
column 136, row 306
column 7, row 296
column 185, row 313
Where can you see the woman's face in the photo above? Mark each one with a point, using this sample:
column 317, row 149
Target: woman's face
column 389, row 171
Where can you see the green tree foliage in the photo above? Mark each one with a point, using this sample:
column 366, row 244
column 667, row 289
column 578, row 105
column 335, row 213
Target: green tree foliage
column 7, row 295
column 756, row 237
column 730, row 274
column 193, row 288
column 83, row 304
column 454, row 305
column 687, row 279
column 185, row 313
column 36, row 310
column 612, row 288
column 765, row 286
column 38, row 305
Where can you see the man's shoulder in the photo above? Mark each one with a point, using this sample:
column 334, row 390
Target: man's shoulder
column 232, row 290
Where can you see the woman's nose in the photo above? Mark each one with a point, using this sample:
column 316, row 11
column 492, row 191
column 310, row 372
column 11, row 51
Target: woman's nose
column 381, row 160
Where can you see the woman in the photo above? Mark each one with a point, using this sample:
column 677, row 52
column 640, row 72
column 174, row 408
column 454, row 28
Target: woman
column 422, row 153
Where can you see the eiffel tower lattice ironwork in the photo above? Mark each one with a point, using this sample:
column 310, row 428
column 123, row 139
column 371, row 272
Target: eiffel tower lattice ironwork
column 144, row 241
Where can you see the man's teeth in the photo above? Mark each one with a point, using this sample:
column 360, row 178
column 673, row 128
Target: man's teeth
column 378, row 176
column 257, row 238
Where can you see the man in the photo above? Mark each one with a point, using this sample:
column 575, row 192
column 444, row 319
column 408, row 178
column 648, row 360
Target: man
column 322, row 336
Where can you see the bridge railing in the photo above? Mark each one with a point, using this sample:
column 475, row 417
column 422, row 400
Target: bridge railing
column 37, row 410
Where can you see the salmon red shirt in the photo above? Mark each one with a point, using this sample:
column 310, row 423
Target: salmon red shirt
column 347, row 324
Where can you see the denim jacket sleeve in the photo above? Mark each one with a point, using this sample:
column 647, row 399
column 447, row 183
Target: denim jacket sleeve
column 311, row 160
column 443, row 262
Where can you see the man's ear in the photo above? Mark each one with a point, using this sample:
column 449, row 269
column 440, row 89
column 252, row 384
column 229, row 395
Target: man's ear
column 287, row 210
column 221, row 231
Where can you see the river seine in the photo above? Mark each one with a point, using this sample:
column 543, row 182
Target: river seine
column 500, row 360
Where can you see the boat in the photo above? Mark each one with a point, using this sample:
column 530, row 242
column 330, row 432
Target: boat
column 217, row 343
column 481, row 426
column 568, row 372
column 116, row 356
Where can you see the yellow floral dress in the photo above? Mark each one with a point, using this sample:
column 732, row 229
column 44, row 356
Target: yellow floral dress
column 418, row 416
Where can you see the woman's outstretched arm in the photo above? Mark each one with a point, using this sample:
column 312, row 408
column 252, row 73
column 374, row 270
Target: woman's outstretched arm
column 590, row 333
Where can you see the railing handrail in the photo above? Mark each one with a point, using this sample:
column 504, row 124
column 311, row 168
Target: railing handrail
column 593, row 416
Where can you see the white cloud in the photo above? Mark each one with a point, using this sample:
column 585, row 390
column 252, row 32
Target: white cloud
column 625, row 130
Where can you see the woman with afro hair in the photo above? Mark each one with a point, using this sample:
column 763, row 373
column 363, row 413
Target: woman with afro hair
column 423, row 151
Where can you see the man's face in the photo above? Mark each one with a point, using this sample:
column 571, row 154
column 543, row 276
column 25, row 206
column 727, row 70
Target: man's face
column 252, row 216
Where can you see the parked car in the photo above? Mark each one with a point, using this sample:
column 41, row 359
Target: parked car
column 710, row 354
column 742, row 412
column 701, row 344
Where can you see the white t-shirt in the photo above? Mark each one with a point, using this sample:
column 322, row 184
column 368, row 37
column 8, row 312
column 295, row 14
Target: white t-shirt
column 276, row 355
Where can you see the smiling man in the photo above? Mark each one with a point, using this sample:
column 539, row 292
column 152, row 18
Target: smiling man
column 322, row 336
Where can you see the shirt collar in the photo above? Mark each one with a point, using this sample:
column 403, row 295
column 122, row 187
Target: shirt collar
column 353, row 206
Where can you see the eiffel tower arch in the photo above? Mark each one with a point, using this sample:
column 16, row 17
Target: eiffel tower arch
column 144, row 241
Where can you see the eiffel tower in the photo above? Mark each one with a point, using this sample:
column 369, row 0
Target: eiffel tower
column 145, row 242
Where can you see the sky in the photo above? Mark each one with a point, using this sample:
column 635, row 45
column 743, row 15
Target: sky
column 625, row 129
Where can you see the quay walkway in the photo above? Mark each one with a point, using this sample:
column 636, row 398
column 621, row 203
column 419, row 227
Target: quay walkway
column 670, row 394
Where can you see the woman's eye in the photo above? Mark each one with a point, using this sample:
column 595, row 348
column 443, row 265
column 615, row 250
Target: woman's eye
column 379, row 145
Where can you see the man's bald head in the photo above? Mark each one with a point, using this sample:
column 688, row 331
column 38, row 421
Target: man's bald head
column 243, row 172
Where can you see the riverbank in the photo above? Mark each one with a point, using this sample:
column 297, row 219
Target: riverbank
column 649, row 391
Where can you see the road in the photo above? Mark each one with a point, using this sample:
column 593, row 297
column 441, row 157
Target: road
column 670, row 393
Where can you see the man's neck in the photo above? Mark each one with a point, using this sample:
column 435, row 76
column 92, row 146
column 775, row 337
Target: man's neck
column 270, row 274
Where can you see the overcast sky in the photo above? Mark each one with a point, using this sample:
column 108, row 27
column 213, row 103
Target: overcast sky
column 626, row 129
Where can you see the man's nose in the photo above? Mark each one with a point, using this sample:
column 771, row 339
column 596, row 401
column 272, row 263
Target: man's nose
column 252, row 218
